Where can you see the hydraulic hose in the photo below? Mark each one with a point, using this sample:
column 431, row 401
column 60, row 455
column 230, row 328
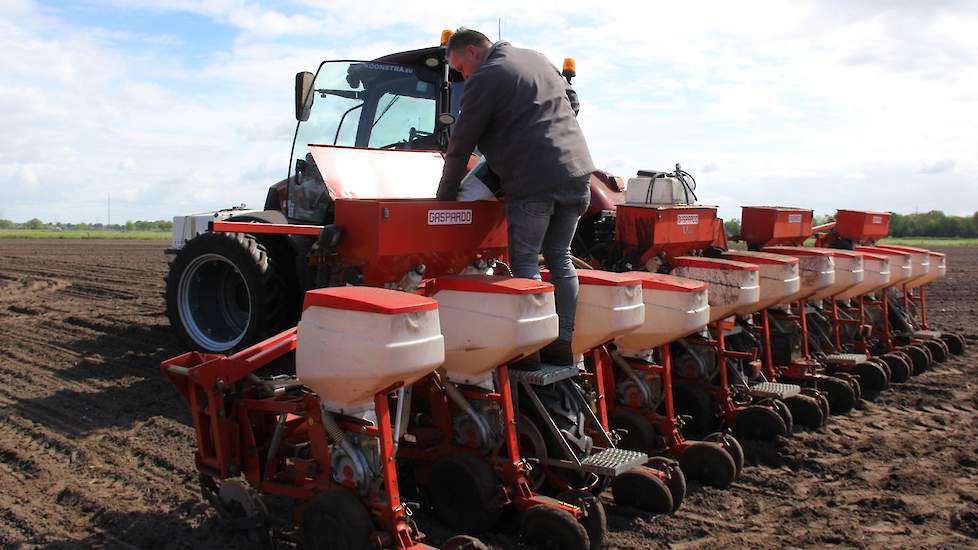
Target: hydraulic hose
column 456, row 396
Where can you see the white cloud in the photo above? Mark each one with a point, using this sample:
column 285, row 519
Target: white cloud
column 818, row 104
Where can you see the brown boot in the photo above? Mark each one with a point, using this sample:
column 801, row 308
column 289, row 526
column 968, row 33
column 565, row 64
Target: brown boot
column 557, row 353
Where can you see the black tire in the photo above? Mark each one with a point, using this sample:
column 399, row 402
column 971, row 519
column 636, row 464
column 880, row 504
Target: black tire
column 805, row 410
column 641, row 435
column 839, row 392
column 872, row 378
column 759, row 423
column 553, row 529
column 708, row 463
column 853, row 382
column 336, row 520
column 463, row 542
column 823, row 402
column 675, row 478
column 532, row 446
column 938, row 350
column 642, row 489
column 782, row 409
column 464, row 492
column 594, row 518
column 918, row 358
column 900, row 368
column 731, row 445
column 223, row 293
column 954, row 341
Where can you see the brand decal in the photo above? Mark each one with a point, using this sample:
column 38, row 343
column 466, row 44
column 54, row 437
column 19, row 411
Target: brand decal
column 449, row 217
column 877, row 219
column 794, row 218
column 687, row 219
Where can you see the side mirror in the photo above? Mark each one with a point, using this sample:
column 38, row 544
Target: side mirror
column 303, row 95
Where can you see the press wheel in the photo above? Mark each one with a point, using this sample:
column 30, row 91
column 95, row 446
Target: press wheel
column 900, row 368
column 641, row 488
column 675, row 478
column 954, row 341
column 708, row 463
column 593, row 517
column 553, row 529
column 805, row 410
column 731, row 445
column 760, row 423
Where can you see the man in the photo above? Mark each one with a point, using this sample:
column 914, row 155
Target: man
column 516, row 109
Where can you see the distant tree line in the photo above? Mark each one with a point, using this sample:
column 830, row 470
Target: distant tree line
column 925, row 224
column 140, row 225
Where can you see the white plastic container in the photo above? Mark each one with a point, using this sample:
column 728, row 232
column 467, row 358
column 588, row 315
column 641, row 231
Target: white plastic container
column 608, row 305
column 901, row 268
column 659, row 191
column 778, row 275
column 674, row 308
column 490, row 321
column 354, row 342
column 876, row 275
column 848, row 273
column 920, row 265
column 816, row 268
column 938, row 268
column 734, row 286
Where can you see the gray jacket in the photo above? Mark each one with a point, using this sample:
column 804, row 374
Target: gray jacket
column 515, row 107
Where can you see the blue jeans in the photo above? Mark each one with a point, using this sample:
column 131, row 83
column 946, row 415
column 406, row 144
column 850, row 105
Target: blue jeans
column 547, row 222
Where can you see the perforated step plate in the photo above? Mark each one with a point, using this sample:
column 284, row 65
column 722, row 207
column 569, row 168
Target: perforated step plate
column 611, row 462
column 849, row 359
column 545, row 375
column 927, row 334
column 775, row 390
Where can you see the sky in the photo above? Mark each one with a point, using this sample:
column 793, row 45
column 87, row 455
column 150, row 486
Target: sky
column 169, row 107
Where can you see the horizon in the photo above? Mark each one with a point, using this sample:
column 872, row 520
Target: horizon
column 177, row 107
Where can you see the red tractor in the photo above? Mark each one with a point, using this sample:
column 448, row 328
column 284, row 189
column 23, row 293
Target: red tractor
column 229, row 287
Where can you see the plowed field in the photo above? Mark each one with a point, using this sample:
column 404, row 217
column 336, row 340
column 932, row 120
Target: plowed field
column 96, row 448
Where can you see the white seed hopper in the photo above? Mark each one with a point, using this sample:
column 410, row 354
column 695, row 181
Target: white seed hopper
column 675, row 307
column 491, row 321
column 935, row 262
column 778, row 274
column 901, row 266
column 354, row 342
column 849, row 272
column 876, row 275
column 815, row 266
column 734, row 286
column 608, row 305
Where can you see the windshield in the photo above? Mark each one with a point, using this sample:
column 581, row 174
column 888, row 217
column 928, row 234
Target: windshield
column 369, row 104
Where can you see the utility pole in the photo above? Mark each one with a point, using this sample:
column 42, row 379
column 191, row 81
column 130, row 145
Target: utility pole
column 108, row 209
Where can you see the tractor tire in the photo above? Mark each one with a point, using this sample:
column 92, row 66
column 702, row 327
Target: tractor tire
column 223, row 293
column 954, row 341
column 336, row 520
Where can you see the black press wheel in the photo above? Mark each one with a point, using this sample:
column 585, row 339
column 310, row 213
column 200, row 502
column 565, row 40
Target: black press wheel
column 918, row 357
column 675, row 478
column 938, row 350
column 731, row 445
column 708, row 463
column 759, row 422
column 900, row 367
column 463, row 542
column 823, row 402
column 954, row 341
column 223, row 293
column 336, row 520
column 782, row 409
column 805, row 410
column 642, row 489
column 872, row 378
column 593, row 517
column 840, row 393
column 464, row 492
column 553, row 529
column 638, row 434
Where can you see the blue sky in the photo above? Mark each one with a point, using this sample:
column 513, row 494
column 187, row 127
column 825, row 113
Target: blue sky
column 175, row 106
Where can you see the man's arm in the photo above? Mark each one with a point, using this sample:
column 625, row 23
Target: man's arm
column 475, row 111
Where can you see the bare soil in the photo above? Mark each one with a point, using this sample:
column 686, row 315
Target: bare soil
column 96, row 448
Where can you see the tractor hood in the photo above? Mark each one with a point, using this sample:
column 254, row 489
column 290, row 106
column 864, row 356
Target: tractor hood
column 356, row 173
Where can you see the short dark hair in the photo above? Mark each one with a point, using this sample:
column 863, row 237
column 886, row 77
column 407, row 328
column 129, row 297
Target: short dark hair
column 467, row 37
